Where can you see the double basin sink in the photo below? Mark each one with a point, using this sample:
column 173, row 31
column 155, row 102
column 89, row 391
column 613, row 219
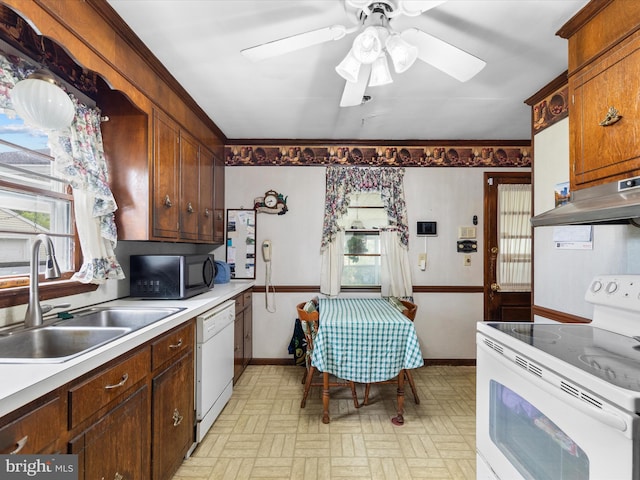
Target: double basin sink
column 62, row 340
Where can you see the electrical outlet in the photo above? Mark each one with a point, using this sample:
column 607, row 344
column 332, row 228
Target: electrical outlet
column 467, row 260
column 422, row 261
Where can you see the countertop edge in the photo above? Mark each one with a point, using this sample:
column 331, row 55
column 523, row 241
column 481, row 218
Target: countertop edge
column 23, row 383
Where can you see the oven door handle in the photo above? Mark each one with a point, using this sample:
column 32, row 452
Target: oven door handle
column 608, row 418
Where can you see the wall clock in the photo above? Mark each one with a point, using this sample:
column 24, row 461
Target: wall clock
column 271, row 202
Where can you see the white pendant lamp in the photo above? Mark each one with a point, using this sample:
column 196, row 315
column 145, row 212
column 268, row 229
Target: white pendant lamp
column 367, row 46
column 349, row 67
column 380, row 74
column 402, row 53
column 41, row 102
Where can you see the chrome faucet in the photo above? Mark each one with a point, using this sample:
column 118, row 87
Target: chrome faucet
column 33, row 317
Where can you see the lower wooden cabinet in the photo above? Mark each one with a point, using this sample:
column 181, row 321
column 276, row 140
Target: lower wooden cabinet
column 131, row 419
column 173, row 411
column 243, row 333
column 117, row 446
column 37, row 430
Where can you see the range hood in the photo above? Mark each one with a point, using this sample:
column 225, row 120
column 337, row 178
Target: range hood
column 616, row 202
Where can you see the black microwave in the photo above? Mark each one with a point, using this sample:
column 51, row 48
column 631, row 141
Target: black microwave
column 170, row 276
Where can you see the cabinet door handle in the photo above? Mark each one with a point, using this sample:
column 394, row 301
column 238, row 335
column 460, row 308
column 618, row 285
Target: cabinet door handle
column 189, row 207
column 167, row 201
column 206, row 212
column 176, row 345
column 20, row 445
column 124, row 379
column 177, row 418
column 611, row 117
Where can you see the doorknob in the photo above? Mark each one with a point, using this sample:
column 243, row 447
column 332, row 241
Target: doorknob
column 495, row 287
column 494, row 250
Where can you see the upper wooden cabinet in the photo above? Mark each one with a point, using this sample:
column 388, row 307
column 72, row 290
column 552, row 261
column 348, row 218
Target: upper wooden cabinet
column 183, row 206
column 604, row 80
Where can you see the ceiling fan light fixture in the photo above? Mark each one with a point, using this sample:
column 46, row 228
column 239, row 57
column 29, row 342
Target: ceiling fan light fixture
column 402, row 53
column 367, row 46
column 349, row 67
column 380, row 74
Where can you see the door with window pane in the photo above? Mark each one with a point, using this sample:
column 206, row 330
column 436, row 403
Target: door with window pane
column 507, row 257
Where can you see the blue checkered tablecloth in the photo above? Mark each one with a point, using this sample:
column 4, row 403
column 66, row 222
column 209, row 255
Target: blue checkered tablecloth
column 365, row 340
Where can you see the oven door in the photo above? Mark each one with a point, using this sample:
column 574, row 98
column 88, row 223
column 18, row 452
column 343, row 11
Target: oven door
column 528, row 428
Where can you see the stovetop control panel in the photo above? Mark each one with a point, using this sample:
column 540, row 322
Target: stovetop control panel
column 615, row 291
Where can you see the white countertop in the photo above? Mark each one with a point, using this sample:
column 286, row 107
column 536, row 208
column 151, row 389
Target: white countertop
column 25, row 382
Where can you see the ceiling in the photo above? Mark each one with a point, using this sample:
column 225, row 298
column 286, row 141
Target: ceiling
column 297, row 95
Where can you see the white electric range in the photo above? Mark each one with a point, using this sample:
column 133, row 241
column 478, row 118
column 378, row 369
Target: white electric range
column 561, row 401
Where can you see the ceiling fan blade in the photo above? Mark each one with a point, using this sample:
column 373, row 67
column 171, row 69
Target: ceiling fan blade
column 295, row 42
column 444, row 56
column 354, row 91
column 413, row 8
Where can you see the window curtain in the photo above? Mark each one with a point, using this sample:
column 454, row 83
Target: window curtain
column 395, row 271
column 79, row 157
column 514, row 231
column 341, row 182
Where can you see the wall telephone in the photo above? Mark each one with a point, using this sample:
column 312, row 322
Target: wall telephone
column 266, row 256
column 266, row 250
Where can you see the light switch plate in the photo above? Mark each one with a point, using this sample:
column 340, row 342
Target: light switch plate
column 467, row 233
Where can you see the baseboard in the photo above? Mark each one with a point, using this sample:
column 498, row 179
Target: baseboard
column 456, row 362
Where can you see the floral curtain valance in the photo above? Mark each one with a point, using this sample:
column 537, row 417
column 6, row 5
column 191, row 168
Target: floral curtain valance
column 79, row 156
column 343, row 181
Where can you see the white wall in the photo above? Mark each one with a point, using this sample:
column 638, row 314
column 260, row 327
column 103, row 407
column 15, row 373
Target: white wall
column 561, row 277
column 451, row 196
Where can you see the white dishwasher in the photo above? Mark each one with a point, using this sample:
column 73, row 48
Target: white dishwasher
column 214, row 364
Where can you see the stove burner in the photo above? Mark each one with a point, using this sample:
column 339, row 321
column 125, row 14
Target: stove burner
column 526, row 334
column 577, row 331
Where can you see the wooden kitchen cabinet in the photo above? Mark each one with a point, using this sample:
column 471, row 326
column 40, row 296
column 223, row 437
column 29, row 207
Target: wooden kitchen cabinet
column 218, row 200
column 183, row 185
column 206, row 199
column 37, row 430
column 173, row 410
column 110, row 411
column 243, row 333
column 117, row 446
column 604, row 73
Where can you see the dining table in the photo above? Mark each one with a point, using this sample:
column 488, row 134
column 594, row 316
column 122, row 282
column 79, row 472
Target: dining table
column 364, row 340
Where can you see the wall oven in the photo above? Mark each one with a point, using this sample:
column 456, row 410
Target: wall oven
column 561, row 401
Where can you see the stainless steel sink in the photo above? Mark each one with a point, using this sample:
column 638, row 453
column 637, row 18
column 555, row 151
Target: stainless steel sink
column 54, row 344
column 88, row 329
column 119, row 317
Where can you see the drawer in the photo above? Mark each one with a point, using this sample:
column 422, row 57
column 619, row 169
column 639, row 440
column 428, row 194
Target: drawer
column 34, row 431
column 100, row 390
column 172, row 344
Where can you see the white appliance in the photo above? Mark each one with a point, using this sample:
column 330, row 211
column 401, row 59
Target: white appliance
column 214, row 364
column 561, row 401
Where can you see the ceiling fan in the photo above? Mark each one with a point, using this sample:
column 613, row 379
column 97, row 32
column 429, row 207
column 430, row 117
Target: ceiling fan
column 367, row 62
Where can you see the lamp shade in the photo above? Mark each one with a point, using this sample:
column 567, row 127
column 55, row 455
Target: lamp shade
column 349, row 67
column 402, row 53
column 380, row 74
column 41, row 102
column 367, row 46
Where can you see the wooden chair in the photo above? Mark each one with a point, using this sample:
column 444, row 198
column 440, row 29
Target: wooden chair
column 410, row 313
column 310, row 322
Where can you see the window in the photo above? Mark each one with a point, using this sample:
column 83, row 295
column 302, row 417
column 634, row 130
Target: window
column 33, row 200
column 514, row 237
column 364, row 218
